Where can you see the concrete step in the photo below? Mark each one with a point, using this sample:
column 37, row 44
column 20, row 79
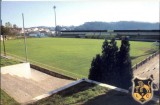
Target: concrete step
column 26, row 87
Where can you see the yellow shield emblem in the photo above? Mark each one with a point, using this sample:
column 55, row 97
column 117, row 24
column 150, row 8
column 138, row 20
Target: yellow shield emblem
column 142, row 90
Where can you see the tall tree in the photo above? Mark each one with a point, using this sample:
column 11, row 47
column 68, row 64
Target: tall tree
column 105, row 62
column 4, row 30
column 95, row 70
column 103, row 68
column 124, row 64
column 109, row 54
column 113, row 67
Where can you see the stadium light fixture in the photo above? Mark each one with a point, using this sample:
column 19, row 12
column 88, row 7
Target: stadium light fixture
column 54, row 7
column 24, row 38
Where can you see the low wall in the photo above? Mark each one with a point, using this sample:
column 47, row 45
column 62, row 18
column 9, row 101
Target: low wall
column 74, row 83
column 42, row 69
column 49, row 72
column 21, row 70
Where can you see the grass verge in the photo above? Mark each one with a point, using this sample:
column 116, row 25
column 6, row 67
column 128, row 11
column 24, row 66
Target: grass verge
column 6, row 99
column 86, row 93
column 7, row 62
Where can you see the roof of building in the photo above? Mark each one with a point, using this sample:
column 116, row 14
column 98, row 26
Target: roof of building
column 110, row 31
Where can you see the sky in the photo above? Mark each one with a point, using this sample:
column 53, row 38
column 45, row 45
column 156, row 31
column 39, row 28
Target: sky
column 41, row 13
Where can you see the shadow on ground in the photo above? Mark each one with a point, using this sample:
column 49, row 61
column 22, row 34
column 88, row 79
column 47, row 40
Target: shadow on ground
column 148, row 52
column 115, row 98
column 86, row 93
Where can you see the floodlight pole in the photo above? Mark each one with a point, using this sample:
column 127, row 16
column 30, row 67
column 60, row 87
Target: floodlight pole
column 54, row 7
column 24, row 38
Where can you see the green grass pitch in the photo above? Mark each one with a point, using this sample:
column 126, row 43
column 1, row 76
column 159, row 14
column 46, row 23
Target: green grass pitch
column 69, row 56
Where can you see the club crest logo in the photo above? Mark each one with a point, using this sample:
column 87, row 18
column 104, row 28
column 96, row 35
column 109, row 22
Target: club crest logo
column 142, row 90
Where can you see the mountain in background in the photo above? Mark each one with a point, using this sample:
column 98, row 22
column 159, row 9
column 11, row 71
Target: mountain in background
column 121, row 25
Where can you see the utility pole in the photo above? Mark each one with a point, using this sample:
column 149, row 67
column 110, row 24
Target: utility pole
column 4, row 47
column 24, row 38
column 54, row 7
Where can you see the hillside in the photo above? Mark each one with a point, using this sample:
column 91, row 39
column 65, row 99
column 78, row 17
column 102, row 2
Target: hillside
column 97, row 25
column 122, row 25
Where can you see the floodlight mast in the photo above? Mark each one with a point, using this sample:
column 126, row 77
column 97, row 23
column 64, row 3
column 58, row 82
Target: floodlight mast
column 54, row 7
column 24, row 38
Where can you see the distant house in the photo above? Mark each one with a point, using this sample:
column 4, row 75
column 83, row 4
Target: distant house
column 1, row 37
column 35, row 29
column 43, row 33
column 37, row 34
column 33, row 34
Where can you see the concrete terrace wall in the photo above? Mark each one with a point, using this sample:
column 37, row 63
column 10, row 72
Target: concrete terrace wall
column 74, row 83
column 42, row 69
column 49, row 72
column 21, row 70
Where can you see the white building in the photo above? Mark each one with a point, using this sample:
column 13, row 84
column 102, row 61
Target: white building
column 1, row 37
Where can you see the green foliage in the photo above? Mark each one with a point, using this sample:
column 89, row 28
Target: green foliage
column 6, row 62
column 77, row 94
column 156, row 46
column 103, row 36
column 8, row 25
column 9, row 30
column 109, row 57
column 95, row 70
column 113, row 67
column 89, row 94
column 124, row 64
column 6, row 99
column 5, row 30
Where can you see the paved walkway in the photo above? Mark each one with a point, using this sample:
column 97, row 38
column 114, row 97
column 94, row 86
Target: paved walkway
column 149, row 68
column 23, row 90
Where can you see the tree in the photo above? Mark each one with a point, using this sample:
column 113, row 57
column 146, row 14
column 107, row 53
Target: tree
column 113, row 67
column 95, row 70
column 103, row 68
column 9, row 30
column 4, row 30
column 58, row 28
column 124, row 64
column 15, row 26
column 8, row 25
column 109, row 54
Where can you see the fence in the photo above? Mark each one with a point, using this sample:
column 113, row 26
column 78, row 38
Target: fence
column 136, row 66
